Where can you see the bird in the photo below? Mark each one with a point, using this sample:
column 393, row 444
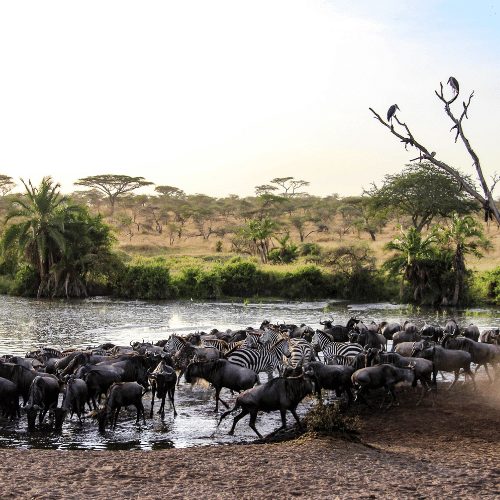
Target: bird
column 391, row 112
column 454, row 84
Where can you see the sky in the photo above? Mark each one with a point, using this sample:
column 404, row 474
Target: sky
column 220, row 96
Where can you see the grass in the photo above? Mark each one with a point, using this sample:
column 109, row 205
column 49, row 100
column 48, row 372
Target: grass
column 196, row 251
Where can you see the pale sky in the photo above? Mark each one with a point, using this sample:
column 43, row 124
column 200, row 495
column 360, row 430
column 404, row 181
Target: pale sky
column 220, row 96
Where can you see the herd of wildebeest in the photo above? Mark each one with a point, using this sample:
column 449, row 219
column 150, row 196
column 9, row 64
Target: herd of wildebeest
column 351, row 360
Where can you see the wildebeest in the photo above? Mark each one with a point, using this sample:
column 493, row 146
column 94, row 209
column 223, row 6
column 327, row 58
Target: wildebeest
column 100, row 378
column 445, row 360
column 490, row 336
column 332, row 377
column 74, row 399
column 384, row 375
column 481, row 353
column 278, row 394
column 163, row 380
column 9, row 398
column 43, row 394
column 424, row 369
column 120, row 394
column 222, row 373
column 471, row 332
column 187, row 353
column 388, row 330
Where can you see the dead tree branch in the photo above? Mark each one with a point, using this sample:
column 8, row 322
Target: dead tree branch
column 408, row 139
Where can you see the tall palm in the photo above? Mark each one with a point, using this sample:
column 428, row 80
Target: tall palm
column 463, row 236
column 41, row 235
column 410, row 262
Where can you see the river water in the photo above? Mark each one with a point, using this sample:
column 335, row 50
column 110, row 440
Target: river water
column 28, row 324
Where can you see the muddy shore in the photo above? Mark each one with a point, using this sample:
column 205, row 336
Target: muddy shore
column 449, row 451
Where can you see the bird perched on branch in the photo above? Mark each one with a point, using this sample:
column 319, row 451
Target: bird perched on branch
column 453, row 84
column 391, row 112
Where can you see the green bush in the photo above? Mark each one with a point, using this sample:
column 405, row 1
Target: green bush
column 240, row 278
column 27, row 281
column 145, row 282
column 488, row 285
column 306, row 282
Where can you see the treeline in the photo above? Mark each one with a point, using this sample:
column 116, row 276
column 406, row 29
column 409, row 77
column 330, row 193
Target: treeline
column 56, row 245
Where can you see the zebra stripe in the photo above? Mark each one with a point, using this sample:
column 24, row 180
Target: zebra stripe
column 301, row 352
column 331, row 349
column 265, row 360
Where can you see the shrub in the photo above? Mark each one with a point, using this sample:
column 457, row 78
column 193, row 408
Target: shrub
column 26, row 282
column 488, row 283
column 330, row 420
column 145, row 282
column 240, row 278
column 304, row 282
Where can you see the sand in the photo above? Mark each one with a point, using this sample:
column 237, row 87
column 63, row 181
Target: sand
column 450, row 451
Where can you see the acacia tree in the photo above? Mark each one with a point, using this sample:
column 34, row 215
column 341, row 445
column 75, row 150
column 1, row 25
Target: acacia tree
column 289, row 185
column 406, row 137
column 422, row 192
column 6, row 184
column 113, row 185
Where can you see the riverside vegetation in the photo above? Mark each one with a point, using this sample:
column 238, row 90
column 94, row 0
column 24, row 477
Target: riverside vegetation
column 275, row 251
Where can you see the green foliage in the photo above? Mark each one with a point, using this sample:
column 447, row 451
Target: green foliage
column 145, row 282
column 241, row 279
column 26, row 283
column 61, row 240
column 218, row 246
column 488, row 285
column 309, row 249
column 304, row 282
column 329, row 419
column 423, row 191
column 286, row 254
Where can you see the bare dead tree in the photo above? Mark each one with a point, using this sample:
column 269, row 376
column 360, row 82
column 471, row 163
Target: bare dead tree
column 486, row 199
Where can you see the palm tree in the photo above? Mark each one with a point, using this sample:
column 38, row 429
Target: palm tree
column 49, row 234
column 463, row 236
column 259, row 233
column 414, row 252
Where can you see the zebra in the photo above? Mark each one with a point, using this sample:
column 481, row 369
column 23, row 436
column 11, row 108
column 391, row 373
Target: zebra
column 263, row 360
column 301, row 352
column 331, row 349
column 174, row 344
column 251, row 342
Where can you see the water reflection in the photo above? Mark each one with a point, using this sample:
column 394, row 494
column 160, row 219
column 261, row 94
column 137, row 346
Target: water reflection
column 27, row 324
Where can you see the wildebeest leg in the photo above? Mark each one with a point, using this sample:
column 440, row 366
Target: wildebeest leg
column 457, row 374
column 487, row 371
column 153, row 391
column 472, row 376
column 363, row 398
column 116, row 416
column 294, row 413
column 161, row 411
column 218, row 398
column 171, row 394
column 253, row 418
column 140, row 409
column 238, row 418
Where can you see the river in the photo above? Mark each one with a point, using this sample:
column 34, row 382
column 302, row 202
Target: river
column 28, row 324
